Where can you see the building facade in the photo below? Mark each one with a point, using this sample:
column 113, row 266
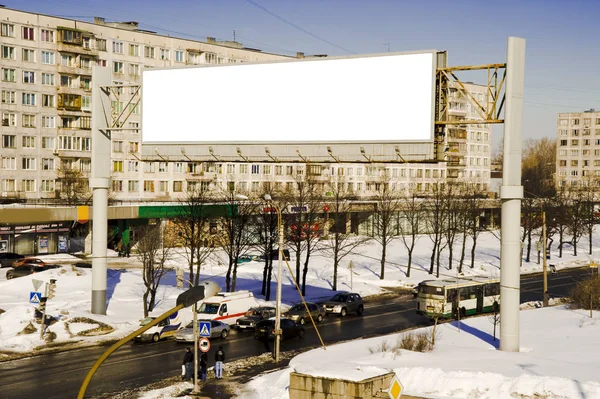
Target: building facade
column 46, row 119
column 578, row 148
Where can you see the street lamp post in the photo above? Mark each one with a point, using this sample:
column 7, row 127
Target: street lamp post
column 279, row 277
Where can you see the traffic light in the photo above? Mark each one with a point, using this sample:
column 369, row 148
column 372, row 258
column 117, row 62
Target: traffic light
column 52, row 289
column 42, row 306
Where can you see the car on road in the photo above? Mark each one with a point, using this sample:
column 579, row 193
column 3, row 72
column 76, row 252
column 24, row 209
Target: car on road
column 265, row 329
column 218, row 329
column 26, row 270
column 7, row 258
column 300, row 315
column 253, row 316
column 29, row 261
column 344, row 303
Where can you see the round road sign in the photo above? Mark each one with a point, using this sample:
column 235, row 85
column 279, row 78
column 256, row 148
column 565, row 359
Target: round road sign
column 204, row 345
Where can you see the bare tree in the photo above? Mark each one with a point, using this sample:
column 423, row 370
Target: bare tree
column 235, row 236
column 474, row 203
column 73, row 187
column 386, row 208
column 193, row 226
column 409, row 223
column 454, row 206
column 436, row 221
column 153, row 252
column 560, row 216
column 266, row 232
column 578, row 217
column 341, row 241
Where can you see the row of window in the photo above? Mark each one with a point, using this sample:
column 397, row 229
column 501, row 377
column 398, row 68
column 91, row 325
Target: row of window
column 575, row 153
column 27, row 32
column 9, row 75
column 71, row 143
column 577, row 142
column 9, row 119
column 28, row 185
column 575, row 173
column 577, row 122
column 578, row 132
column 574, row 162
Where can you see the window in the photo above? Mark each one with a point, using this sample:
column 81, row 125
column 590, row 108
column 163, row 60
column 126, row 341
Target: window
column 563, row 142
column 28, row 77
column 28, row 98
column 177, row 186
column 134, row 147
column 8, row 75
column 134, row 50
column 575, row 122
column 47, row 100
column 163, row 167
column 85, row 122
column 8, row 30
column 134, row 69
column 574, row 142
column 28, row 185
column 9, row 119
column 117, row 146
column 69, row 101
column 48, row 58
column 28, row 33
column 9, row 185
column 574, row 162
column 134, row 109
column 575, row 153
column 9, row 163
column 47, row 35
column 28, row 142
column 164, row 54
column 179, row 58
column 47, row 186
column 244, row 169
column 117, row 106
column 86, row 42
column 8, row 52
column 9, row 141
column 117, row 47
column 101, row 63
column 133, row 186
column 148, row 167
column 48, row 142
column 86, row 103
column 86, row 63
column 101, row 45
column 28, row 55
column 562, row 153
column 117, row 166
column 9, row 97
column 575, row 132
column 85, row 83
column 117, row 185
column 255, row 169
column 148, row 186
column 564, row 132
column 117, row 67
column 148, row 52
column 133, row 166
column 86, row 144
column 266, row 169
column 163, row 186
column 28, row 120
column 47, row 164
column 278, row 170
column 28, row 163
column 48, row 79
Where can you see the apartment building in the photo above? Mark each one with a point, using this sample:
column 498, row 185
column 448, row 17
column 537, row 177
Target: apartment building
column 578, row 148
column 46, row 118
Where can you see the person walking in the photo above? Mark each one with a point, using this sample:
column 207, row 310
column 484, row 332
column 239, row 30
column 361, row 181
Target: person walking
column 188, row 362
column 219, row 359
column 203, row 366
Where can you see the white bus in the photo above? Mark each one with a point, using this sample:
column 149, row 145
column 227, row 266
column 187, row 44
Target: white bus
column 469, row 295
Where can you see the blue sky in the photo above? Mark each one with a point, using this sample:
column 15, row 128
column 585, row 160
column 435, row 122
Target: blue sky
column 562, row 58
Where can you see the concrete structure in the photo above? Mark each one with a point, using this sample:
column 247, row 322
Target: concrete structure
column 578, row 148
column 304, row 386
column 46, row 121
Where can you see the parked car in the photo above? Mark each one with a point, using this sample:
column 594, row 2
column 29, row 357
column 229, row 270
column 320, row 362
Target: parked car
column 344, row 303
column 253, row 316
column 265, row 329
column 299, row 314
column 7, row 258
column 26, row 270
column 218, row 329
column 29, row 261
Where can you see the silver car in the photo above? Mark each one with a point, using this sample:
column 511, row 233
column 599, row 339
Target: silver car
column 218, row 329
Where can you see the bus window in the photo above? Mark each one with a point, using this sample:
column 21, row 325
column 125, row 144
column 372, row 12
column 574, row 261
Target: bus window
column 492, row 289
column 426, row 289
column 451, row 296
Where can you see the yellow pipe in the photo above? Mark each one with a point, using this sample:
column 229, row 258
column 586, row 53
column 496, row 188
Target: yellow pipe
column 120, row 343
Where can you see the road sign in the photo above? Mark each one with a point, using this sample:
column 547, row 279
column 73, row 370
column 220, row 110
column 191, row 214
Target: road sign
column 204, row 328
column 395, row 389
column 297, row 208
column 34, row 297
column 204, row 345
column 593, row 265
column 36, row 284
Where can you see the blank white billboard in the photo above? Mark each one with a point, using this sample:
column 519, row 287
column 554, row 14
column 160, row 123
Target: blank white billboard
column 386, row 98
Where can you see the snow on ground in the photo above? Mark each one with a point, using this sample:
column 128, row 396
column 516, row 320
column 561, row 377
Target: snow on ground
column 71, row 309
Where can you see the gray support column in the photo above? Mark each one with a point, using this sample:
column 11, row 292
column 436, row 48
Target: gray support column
column 511, row 193
column 101, row 114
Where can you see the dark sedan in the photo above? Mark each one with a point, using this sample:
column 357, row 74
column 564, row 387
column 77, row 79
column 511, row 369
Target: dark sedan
column 7, row 258
column 26, row 270
column 265, row 330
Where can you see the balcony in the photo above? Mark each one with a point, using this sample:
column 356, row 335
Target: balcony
column 76, row 48
column 74, row 69
column 72, row 154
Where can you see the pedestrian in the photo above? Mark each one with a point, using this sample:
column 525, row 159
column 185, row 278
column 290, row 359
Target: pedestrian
column 219, row 359
column 120, row 249
column 127, row 250
column 203, row 366
column 188, row 362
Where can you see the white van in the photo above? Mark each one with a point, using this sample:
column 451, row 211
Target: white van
column 226, row 306
column 166, row 328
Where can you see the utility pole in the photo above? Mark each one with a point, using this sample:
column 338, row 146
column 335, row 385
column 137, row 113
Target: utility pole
column 545, row 264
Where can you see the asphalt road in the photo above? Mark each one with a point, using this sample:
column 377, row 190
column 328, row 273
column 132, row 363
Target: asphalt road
column 136, row 365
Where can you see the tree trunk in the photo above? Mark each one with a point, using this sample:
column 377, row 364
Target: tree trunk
column 528, row 256
column 298, row 253
column 228, row 276
column 269, row 276
column 234, row 277
column 450, row 253
column 560, row 239
column 410, row 251
column 145, row 299
column 590, row 238
column 473, row 251
column 437, row 268
column 263, row 288
column 463, row 250
column 305, row 272
column 433, row 252
column 383, row 255
column 152, row 302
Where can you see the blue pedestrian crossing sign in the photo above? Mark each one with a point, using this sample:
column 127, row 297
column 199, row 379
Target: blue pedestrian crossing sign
column 34, row 297
column 204, row 328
